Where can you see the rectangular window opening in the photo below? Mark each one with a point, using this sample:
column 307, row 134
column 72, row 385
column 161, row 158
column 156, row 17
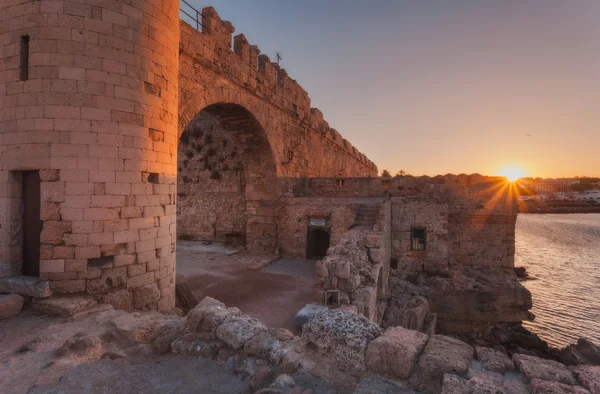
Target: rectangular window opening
column 341, row 182
column 24, row 66
column 418, row 238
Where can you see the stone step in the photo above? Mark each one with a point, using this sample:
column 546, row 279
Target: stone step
column 10, row 305
column 28, row 286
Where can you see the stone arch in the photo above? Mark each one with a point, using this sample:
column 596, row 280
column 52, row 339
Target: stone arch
column 192, row 103
column 256, row 173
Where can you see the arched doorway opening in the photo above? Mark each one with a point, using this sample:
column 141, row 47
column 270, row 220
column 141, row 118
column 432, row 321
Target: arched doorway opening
column 317, row 243
column 227, row 180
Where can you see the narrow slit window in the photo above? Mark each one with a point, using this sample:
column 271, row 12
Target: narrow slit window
column 418, row 237
column 24, row 68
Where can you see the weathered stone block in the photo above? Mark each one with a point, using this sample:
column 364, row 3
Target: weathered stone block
column 145, row 296
column 395, row 352
column 541, row 386
column 494, row 360
column 237, row 330
column 195, row 315
column 64, row 305
column 538, row 368
column 10, row 305
column 341, row 336
column 589, row 377
column 28, row 286
column 441, row 355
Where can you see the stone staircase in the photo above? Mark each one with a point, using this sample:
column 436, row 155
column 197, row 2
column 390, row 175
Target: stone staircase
column 366, row 215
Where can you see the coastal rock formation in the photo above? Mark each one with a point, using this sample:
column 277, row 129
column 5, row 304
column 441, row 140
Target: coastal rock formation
column 581, row 353
column 473, row 296
column 539, row 368
column 589, row 377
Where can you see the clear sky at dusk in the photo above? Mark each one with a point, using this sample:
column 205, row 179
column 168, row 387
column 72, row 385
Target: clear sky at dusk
column 433, row 87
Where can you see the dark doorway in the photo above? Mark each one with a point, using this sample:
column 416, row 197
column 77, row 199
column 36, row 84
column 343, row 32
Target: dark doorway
column 318, row 243
column 32, row 225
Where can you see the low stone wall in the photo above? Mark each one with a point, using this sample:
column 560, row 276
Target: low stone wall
column 355, row 354
column 356, row 270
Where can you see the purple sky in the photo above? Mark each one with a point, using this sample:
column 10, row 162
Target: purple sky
column 433, row 87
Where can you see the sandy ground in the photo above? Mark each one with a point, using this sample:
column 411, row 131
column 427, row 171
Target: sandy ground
column 273, row 295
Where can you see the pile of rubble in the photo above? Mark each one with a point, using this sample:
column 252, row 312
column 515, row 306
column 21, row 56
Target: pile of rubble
column 346, row 348
column 343, row 349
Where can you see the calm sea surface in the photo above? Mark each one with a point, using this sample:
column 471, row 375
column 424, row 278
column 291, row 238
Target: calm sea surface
column 563, row 253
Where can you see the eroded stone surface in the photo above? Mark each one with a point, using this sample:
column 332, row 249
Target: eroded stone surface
column 540, row 386
column 64, row 305
column 343, row 336
column 395, row 352
column 494, row 360
column 406, row 311
column 589, row 377
column 195, row 315
column 454, row 384
column 28, row 286
column 538, row 368
column 237, row 330
column 10, row 305
column 441, row 355
column 141, row 327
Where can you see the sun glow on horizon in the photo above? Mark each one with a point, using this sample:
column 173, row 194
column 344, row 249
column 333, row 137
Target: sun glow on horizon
column 512, row 173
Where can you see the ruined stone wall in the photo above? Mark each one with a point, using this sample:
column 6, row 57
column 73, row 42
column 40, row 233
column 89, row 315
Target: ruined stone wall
column 213, row 71
column 356, row 269
column 97, row 116
column 469, row 220
column 211, row 203
column 294, row 225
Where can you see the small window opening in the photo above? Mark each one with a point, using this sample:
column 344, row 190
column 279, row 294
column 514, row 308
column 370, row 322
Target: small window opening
column 332, row 297
column 153, row 177
column 24, row 68
column 385, row 183
column 341, row 182
column 418, row 238
column 394, row 264
column 290, row 155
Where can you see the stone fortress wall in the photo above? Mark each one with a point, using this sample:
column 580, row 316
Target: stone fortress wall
column 94, row 96
column 96, row 116
column 469, row 219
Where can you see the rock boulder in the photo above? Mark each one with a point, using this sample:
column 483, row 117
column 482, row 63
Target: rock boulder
column 540, row 386
column 341, row 336
column 589, row 377
column 538, row 368
column 10, row 305
column 441, row 355
column 395, row 352
column 494, row 360
column 237, row 330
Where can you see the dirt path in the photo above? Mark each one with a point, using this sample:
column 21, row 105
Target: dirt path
column 273, row 295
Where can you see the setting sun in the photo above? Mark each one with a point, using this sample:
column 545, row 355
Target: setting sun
column 512, row 173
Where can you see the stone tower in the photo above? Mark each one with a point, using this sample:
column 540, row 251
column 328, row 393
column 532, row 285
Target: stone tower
column 88, row 138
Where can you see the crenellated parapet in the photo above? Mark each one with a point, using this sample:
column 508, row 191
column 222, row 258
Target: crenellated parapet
column 242, row 64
